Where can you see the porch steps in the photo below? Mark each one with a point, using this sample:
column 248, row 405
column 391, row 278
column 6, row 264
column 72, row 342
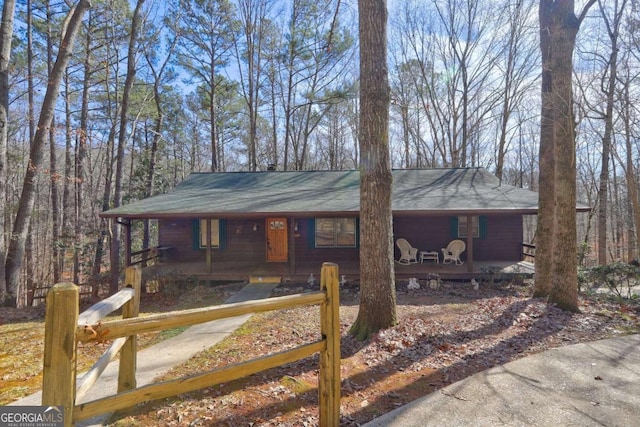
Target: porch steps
column 265, row 279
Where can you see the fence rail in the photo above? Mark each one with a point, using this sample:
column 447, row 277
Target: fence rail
column 65, row 328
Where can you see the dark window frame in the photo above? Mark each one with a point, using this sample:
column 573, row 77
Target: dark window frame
column 197, row 244
column 335, row 231
column 481, row 230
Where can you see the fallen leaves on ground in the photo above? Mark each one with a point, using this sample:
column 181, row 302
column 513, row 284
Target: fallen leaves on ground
column 22, row 336
column 442, row 336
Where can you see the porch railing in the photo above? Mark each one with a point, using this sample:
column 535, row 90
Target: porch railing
column 155, row 253
column 528, row 252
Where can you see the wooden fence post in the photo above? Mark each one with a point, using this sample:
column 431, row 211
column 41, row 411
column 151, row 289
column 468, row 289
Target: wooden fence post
column 128, row 354
column 329, row 376
column 60, row 347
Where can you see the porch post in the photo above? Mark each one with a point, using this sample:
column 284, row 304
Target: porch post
column 292, row 245
column 470, row 242
column 207, row 230
column 126, row 223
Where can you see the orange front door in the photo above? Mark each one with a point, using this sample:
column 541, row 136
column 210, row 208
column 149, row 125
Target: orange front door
column 277, row 248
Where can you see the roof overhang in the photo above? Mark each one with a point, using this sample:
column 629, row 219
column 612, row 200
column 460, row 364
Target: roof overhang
column 455, row 191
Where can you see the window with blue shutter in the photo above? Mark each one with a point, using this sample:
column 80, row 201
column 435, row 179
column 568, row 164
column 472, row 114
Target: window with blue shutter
column 217, row 228
column 458, row 226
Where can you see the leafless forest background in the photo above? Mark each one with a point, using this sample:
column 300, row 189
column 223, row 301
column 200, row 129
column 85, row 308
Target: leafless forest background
column 155, row 90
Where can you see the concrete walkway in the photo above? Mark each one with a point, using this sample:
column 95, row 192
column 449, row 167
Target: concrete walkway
column 160, row 358
column 589, row 384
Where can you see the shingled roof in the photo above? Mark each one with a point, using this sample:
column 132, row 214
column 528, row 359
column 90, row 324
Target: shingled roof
column 305, row 193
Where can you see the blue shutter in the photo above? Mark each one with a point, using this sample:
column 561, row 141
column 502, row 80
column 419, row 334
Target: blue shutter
column 195, row 238
column 311, row 233
column 222, row 233
column 357, row 232
column 453, row 227
column 482, row 224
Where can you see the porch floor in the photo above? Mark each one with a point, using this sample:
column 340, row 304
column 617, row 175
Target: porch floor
column 242, row 271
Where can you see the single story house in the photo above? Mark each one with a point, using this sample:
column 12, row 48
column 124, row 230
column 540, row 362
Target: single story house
column 238, row 224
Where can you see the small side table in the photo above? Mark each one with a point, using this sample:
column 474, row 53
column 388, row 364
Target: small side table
column 429, row 256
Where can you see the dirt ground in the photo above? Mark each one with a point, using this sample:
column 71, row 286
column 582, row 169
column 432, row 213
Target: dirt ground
column 442, row 336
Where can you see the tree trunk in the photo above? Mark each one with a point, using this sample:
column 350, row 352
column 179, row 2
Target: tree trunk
column 556, row 252
column 213, row 118
column 151, row 173
column 632, row 178
column 6, row 36
column 377, row 279
column 617, row 219
column 53, row 175
column 603, row 194
column 67, row 205
column 30, row 283
column 606, row 139
column 30, row 276
column 81, row 154
column 15, row 253
column 546, row 180
column 122, row 138
column 252, row 17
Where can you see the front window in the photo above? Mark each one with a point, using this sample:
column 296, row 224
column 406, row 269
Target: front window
column 335, row 232
column 214, row 230
column 462, row 226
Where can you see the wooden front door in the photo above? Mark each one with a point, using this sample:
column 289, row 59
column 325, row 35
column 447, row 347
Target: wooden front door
column 277, row 246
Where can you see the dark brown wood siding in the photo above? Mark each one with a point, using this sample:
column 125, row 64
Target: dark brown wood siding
column 176, row 234
column 240, row 241
column 501, row 239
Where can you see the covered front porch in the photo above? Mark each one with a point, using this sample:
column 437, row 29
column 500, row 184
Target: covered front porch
column 245, row 271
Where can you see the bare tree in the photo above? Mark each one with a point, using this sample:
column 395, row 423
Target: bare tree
column 27, row 198
column 158, row 73
column 377, row 277
column 205, row 32
column 53, row 166
column 630, row 170
column 136, row 23
column 79, row 176
column 467, row 48
column 447, row 54
column 608, row 87
column 253, row 21
column 317, row 51
column 516, row 70
column 556, row 252
column 6, row 36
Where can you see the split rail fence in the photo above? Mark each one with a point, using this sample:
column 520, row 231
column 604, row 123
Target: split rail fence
column 65, row 327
